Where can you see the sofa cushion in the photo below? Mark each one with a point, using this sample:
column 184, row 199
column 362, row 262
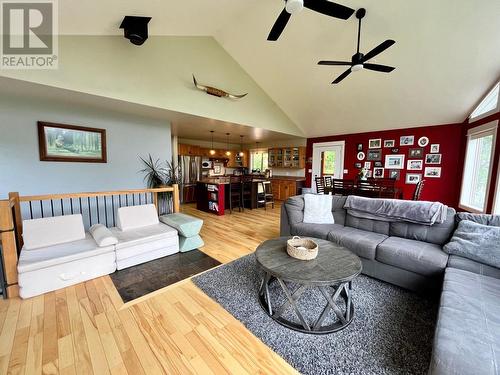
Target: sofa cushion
column 485, row 219
column 138, row 236
column 136, row 216
column 61, row 253
column 360, row 242
column 49, row 231
column 295, row 209
column 187, row 226
column 313, row 230
column 462, row 263
column 466, row 340
column 477, row 242
column 438, row 233
column 318, row 209
column 369, row 225
column 420, row 257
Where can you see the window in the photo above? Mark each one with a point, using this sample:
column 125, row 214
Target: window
column 259, row 160
column 477, row 168
column 328, row 159
column 488, row 105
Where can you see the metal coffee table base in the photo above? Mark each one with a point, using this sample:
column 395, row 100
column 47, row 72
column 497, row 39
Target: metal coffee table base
column 331, row 294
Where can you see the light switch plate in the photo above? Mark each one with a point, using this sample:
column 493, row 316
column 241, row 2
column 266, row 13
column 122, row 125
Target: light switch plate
column 346, row 171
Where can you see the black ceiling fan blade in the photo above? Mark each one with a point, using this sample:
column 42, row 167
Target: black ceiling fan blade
column 326, row 62
column 379, row 68
column 342, row 76
column 379, row 49
column 279, row 25
column 328, row 8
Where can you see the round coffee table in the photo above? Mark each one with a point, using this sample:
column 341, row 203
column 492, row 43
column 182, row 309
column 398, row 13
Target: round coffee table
column 331, row 273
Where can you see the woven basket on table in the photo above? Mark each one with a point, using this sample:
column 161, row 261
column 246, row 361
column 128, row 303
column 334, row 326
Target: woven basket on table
column 302, row 248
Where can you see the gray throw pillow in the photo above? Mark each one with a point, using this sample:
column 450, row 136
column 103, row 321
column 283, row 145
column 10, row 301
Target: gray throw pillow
column 486, row 219
column 477, row 242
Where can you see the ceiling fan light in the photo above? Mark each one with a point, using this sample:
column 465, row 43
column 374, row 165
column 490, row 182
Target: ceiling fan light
column 294, row 6
column 357, row 67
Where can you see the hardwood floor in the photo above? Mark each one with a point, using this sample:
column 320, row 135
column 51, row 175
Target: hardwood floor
column 86, row 328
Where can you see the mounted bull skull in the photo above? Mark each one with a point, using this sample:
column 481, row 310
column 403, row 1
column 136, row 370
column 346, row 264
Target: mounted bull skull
column 216, row 92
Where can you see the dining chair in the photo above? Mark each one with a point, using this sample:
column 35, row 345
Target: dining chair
column 320, row 185
column 266, row 196
column 418, row 190
column 246, row 191
column 235, row 193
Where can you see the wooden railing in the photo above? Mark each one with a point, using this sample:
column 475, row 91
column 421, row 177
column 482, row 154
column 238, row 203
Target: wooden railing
column 95, row 207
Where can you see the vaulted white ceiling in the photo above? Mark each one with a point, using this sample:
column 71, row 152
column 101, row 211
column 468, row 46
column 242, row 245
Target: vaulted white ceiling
column 446, row 54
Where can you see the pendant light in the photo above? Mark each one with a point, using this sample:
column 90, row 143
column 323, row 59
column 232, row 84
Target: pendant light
column 241, row 146
column 212, row 151
column 228, row 153
column 257, row 147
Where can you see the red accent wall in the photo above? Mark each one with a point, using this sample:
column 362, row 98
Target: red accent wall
column 450, row 137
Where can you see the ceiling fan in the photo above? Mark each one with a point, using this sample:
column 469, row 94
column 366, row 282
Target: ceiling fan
column 294, row 6
column 359, row 60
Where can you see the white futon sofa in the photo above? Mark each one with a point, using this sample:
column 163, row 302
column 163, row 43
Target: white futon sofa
column 57, row 252
column 141, row 236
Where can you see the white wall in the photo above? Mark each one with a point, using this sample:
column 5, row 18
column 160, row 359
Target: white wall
column 128, row 138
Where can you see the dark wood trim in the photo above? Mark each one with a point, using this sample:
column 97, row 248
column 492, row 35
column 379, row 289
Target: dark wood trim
column 43, row 150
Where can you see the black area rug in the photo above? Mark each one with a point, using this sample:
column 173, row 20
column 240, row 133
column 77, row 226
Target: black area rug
column 137, row 281
column 391, row 332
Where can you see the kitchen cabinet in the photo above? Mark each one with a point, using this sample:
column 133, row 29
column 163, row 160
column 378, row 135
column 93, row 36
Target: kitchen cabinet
column 192, row 150
column 287, row 157
column 286, row 187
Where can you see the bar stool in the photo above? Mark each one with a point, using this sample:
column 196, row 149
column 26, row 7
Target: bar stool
column 246, row 190
column 265, row 196
column 234, row 193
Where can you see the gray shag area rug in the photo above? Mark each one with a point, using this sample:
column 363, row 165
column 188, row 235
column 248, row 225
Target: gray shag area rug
column 391, row 332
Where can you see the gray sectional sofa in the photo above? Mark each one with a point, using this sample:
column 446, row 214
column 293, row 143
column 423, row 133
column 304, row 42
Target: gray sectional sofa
column 467, row 337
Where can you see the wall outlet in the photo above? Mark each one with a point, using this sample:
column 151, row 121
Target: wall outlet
column 346, row 171
column 309, row 170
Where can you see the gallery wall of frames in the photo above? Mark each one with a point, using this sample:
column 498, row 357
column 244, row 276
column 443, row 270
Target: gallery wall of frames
column 431, row 153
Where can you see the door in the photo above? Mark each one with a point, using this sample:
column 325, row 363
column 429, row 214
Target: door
column 328, row 160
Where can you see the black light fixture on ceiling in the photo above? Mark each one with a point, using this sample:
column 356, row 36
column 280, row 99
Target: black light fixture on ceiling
column 135, row 29
column 241, row 146
column 228, row 153
column 212, row 150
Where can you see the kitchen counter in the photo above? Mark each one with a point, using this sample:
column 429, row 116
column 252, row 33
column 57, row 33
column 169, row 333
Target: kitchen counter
column 288, row 178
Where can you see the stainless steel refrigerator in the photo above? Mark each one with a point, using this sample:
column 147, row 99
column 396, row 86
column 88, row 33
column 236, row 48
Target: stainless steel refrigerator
column 190, row 167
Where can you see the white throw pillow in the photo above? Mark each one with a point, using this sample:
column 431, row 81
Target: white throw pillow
column 318, row 209
column 102, row 235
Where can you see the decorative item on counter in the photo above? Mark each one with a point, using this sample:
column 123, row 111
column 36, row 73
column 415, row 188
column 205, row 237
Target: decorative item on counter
column 216, row 92
column 374, row 155
column 302, row 248
column 361, row 155
column 433, row 159
column 363, row 174
column 407, row 140
column 389, row 143
column 423, row 141
column 416, row 153
column 432, row 172
column 435, row 148
column 375, row 143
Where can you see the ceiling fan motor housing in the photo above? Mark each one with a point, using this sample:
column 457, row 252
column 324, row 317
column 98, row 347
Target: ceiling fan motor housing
column 135, row 29
column 294, row 6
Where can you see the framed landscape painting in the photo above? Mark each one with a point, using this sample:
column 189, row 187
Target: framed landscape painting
column 59, row 142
